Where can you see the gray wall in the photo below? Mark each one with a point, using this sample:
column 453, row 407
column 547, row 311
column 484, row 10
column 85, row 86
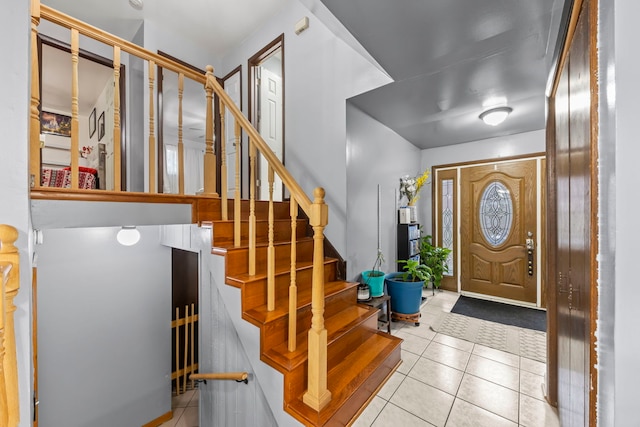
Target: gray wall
column 619, row 187
column 321, row 72
column 376, row 155
column 14, row 181
column 104, row 328
column 608, row 411
column 226, row 403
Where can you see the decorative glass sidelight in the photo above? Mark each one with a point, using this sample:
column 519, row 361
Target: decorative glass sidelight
column 447, row 222
column 496, row 213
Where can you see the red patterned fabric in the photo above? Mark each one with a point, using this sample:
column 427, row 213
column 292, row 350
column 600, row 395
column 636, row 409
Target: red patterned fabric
column 61, row 178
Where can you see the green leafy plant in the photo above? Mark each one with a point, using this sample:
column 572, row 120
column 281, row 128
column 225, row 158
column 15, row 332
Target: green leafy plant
column 434, row 257
column 414, row 271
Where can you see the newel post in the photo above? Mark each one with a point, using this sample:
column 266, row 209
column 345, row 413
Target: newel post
column 317, row 395
column 9, row 253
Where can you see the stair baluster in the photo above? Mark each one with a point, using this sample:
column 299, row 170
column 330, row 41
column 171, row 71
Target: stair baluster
column 223, row 166
column 293, row 287
column 252, row 208
column 152, row 129
column 271, row 252
column 34, row 120
column 209, row 155
column 117, row 154
column 237, row 225
column 180, row 141
column 75, row 131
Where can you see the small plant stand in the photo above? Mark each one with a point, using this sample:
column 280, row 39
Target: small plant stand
column 410, row 318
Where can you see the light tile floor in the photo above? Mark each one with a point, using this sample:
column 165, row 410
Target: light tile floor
column 185, row 410
column 445, row 381
column 442, row 381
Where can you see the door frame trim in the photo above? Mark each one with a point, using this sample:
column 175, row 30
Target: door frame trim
column 223, row 80
column 539, row 157
column 552, row 333
column 252, row 63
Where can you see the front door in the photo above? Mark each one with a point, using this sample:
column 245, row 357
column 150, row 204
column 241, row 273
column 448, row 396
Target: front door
column 499, row 230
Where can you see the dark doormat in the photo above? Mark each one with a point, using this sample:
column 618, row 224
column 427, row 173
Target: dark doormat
column 506, row 314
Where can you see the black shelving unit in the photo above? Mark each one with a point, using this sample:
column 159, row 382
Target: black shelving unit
column 408, row 242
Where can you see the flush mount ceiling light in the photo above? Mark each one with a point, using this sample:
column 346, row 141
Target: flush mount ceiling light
column 137, row 4
column 128, row 236
column 495, row 116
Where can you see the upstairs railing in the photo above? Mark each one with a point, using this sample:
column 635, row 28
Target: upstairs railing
column 9, row 286
column 317, row 394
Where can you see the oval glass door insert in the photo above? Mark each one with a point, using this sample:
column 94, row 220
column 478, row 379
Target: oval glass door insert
column 496, row 213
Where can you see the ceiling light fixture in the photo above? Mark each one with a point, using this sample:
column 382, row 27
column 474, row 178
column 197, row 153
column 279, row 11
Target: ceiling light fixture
column 128, row 235
column 495, row 116
column 137, row 4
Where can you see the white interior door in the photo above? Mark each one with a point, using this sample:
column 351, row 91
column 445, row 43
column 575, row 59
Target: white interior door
column 232, row 87
column 270, row 127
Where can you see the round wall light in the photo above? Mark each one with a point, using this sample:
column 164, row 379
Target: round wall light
column 137, row 4
column 495, row 116
column 128, row 235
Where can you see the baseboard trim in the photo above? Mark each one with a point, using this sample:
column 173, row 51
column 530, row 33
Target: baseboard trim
column 161, row 419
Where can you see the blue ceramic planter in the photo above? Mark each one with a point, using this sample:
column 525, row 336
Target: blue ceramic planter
column 406, row 297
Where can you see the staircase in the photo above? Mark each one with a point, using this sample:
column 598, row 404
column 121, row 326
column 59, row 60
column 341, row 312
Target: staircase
column 360, row 358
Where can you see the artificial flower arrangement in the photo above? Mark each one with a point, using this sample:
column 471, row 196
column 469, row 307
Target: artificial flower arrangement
column 86, row 150
column 410, row 186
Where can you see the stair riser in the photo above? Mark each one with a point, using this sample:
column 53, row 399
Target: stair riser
column 223, row 232
column 237, row 259
column 339, row 349
column 210, row 210
column 344, row 415
column 276, row 332
column 255, row 293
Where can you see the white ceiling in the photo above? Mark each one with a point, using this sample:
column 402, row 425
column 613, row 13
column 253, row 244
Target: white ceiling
column 453, row 59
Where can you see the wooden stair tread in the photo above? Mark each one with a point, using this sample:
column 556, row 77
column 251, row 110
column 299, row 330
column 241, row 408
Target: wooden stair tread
column 336, row 326
column 262, row 315
column 244, row 278
column 380, row 351
column 244, row 245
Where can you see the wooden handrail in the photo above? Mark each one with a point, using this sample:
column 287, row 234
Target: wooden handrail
column 11, row 284
column 236, row 376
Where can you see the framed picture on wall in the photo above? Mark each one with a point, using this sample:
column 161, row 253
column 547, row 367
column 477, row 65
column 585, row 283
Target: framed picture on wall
column 92, row 123
column 101, row 126
column 54, row 123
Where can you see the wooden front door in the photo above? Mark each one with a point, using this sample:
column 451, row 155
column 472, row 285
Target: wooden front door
column 498, row 216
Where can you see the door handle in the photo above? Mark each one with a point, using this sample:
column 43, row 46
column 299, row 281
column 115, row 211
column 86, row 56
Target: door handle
column 530, row 244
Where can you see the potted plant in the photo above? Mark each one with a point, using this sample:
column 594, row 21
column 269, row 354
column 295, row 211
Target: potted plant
column 374, row 278
column 434, row 257
column 405, row 289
